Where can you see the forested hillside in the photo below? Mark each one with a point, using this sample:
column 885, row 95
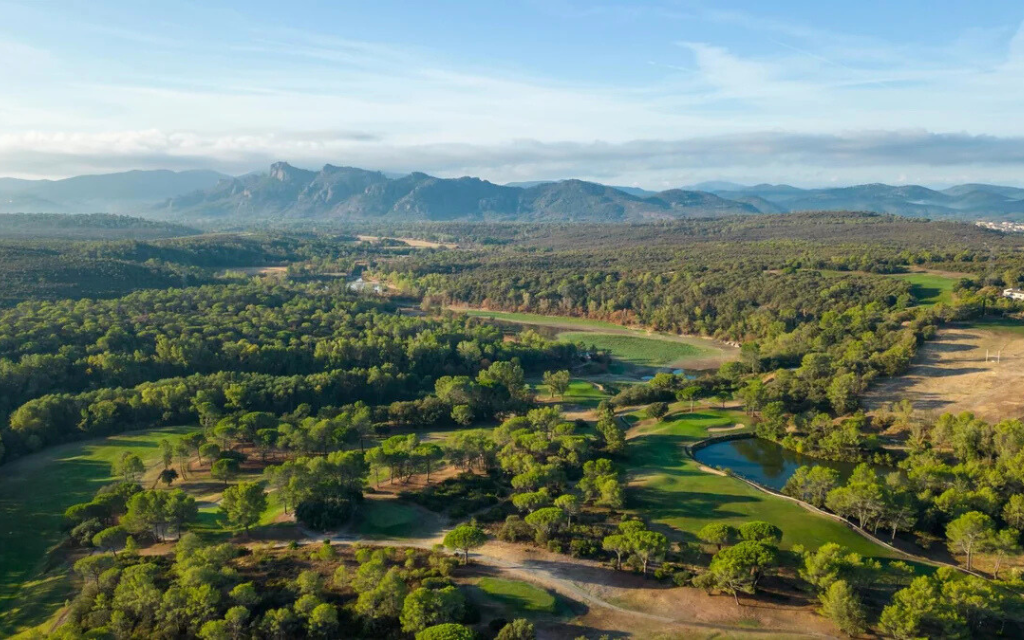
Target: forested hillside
column 96, row 226
column 52, row 269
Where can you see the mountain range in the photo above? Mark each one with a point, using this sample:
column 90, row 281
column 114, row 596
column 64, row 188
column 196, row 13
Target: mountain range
column 287, row 193
column 965, row 201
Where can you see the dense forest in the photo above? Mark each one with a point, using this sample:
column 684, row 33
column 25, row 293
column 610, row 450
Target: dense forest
column 97, row 226
column 51, row 269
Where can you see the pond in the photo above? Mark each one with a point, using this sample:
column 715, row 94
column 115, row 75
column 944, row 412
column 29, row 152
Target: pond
column 763, row 461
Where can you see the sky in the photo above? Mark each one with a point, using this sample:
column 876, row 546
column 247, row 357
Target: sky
column 653, row 94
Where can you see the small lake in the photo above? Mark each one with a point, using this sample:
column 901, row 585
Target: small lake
column 763, row 461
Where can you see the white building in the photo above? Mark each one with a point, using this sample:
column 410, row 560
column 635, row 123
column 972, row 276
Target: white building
column 1014, row 294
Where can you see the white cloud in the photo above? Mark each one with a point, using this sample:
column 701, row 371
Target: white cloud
column 311, row 99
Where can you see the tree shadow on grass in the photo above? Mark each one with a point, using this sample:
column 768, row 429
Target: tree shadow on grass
column 518, row 604
column 566, row 630
column 129, row 443
column 32, row 513
column 662, row 505
column 661, row 453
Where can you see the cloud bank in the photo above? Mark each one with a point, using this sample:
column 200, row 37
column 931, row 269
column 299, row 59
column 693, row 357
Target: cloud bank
column 941, row 157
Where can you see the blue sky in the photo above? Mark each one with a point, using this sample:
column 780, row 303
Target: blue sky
column 653, row 94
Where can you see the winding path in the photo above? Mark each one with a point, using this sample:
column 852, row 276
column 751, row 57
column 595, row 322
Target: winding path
column 540, row 572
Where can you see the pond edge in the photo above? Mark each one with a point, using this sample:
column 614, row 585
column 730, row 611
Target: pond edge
column 696, row 446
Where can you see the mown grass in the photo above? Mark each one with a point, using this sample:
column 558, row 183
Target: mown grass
column 34, row 493
column 671, row 489
column 521, row 598
column 212, row 525
column 640, row 350
column 928, row 288
column 540, row 320
column 580, row 392
column 392, row 519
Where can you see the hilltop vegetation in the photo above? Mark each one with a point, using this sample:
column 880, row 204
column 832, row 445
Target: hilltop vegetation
column 97, row 226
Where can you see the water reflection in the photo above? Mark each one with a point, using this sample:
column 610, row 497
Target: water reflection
column 763, row 461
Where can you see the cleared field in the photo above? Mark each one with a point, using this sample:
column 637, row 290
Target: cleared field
column 34, row 493
column 412, row 242
column 649, row 352
column 669, row 488
column 951, row 373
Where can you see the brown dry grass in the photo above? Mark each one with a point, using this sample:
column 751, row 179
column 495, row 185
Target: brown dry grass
column 413, row 242
column 951, row 375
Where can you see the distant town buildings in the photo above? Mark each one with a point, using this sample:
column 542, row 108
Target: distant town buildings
column 1014, row 294
column 1006, row 227
column 361, row 285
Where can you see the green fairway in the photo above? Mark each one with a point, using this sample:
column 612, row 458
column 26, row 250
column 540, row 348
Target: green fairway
column 580, row 392
column 640, row 350
column 212, row 524
column 30, row 589
column 391, row 519
column 520, row 597
column 671, row 489
column 540, row 320
column 929, row 288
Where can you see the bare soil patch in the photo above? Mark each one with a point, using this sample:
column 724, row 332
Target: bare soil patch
column 735, row 427
column 951, row 375
column 413, row 242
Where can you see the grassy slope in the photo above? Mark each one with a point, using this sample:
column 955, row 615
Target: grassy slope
column 55, row 479
column 651, row 352
column 672, row 490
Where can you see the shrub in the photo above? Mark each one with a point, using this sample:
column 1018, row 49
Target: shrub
column 436, row 582
column 582, row 548
column 515, row 530
column 682, row 578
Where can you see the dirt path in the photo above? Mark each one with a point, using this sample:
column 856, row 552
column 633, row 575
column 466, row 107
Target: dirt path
column 590, row 583
column 951, row 374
